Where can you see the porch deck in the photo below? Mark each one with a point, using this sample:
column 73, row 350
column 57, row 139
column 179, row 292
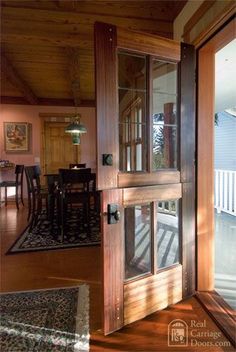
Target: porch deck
column 225, row 257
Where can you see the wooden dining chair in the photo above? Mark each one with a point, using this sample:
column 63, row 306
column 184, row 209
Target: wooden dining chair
column 36, row 195
column 72, row 175
column 76, row 189
column 17, row 184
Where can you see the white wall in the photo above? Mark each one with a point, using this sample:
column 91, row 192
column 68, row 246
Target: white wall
column 225, row 142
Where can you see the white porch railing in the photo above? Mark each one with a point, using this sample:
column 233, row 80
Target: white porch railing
column 225, row 191
column 168, row 207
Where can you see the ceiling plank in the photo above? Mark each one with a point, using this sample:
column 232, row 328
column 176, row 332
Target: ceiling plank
column 36, row 36
column 12, row 34
column 77, row 19
column 13, row 76
column 66, row 5
column 151, row 10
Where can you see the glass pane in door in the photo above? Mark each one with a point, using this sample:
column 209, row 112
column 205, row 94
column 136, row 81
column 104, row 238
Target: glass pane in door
column 137, row 241
column 164, row 118
column 132, row 111
column 167, row 233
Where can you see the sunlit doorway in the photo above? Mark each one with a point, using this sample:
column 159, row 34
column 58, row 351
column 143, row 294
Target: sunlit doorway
column 225, row 173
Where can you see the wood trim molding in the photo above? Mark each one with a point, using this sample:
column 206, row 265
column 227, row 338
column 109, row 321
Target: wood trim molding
column 205, row 152
column 205, row 176
column 148, row 44
column 211, row 301
column 218, row 22
column 107, row 105
column 204, row 7
column 112, row 263
column 219, row 14
column 47, row 102
column 221, row 313
column 223, row 37
column 144, row 195
column 59, row 115
column 144, row 179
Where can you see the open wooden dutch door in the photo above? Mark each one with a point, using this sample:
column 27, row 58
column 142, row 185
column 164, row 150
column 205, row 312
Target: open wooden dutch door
column 145, row 156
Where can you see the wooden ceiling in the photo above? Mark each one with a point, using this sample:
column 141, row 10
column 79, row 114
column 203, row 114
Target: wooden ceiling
column 47, row 46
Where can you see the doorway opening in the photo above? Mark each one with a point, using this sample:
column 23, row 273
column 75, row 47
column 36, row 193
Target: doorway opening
column 225, row 173
column 215, row 189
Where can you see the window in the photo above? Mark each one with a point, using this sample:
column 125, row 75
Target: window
column 137, row 241
column 132, row 112
column 147, row 224
column 164, row 119
column 167, row 233
column 147, row 108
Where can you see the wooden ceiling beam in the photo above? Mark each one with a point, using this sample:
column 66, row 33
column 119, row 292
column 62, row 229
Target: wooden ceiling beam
column 74, row 68
column 150, row 10
column 77, row 19
column 12, row 34
column 47, row 102
column 13, row 76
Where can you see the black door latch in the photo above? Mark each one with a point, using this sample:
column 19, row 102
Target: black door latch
column 113, row 213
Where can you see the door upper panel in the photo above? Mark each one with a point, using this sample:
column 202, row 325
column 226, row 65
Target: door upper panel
column 124, row 107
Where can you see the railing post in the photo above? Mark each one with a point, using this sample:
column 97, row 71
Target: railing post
column 225, row 191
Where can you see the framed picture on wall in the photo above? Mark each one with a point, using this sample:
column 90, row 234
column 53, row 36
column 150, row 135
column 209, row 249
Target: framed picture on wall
column 16, row 136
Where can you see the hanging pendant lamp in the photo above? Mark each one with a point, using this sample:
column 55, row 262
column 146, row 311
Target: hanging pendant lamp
column 75, row 127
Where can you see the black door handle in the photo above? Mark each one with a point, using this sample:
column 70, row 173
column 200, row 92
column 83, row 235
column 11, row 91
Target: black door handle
column 113, row 213
column 116, row 215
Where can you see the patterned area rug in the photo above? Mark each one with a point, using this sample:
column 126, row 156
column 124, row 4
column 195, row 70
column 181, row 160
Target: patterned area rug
column 45, row 236
column 45, row 320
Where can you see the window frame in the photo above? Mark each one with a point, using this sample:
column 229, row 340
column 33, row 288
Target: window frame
column 147, row 163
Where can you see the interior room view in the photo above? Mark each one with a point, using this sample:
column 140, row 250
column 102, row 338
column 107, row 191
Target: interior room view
column 118, row 175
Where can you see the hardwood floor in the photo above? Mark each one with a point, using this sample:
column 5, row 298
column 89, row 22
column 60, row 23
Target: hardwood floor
column 70, row 267
column 47, row 269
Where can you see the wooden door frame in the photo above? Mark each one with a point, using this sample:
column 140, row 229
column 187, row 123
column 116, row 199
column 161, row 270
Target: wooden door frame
column 205, row 180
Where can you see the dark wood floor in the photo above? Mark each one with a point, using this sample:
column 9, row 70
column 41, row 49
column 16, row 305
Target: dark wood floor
column 70, row 267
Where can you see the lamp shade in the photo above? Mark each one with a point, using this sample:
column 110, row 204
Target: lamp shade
column 76, row 126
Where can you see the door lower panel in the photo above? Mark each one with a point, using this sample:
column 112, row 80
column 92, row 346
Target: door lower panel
column 146, row 296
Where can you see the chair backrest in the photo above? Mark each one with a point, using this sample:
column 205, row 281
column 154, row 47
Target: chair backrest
column 33, row 178
column 19, row 172
column 71, row 175
column 68, row 178
column 71, row 166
